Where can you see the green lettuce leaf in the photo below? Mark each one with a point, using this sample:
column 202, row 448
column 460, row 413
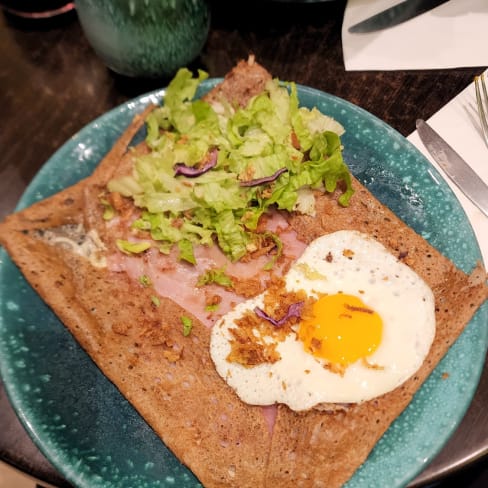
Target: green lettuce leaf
column 299, row 149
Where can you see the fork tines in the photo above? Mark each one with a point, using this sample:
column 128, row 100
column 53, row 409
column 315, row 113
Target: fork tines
column 482, row 102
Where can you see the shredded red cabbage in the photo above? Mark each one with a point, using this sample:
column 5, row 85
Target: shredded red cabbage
column 294, row 310
column 192, row 171
column 265, row 179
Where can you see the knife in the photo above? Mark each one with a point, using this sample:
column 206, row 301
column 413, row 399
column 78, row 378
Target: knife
column 395, row 15
column 454, row 166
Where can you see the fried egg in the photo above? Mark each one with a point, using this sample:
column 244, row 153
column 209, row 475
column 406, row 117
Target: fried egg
column 367, row 326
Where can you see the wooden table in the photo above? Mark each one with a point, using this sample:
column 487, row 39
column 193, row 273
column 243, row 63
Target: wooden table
column 52, row 84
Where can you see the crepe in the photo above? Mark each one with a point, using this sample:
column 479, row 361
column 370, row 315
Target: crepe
column 170, row 379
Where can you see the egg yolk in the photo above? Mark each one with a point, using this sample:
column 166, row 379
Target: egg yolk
column 342, row 329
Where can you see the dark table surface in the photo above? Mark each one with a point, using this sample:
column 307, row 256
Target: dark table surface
column 52, row 84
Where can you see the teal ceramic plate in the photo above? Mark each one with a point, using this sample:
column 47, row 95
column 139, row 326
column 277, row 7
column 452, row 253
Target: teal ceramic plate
column 94, row 437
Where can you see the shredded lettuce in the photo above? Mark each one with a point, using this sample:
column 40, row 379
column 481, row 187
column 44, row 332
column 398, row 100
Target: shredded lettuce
column 217, row 276
column 271, row 153
column 186, row 251
column 279, row 249
column 145, row 281
column 187, row 323
column 108, row 209
column 129, row 247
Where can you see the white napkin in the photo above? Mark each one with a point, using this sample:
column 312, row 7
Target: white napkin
column 452, row 35
column 458, row 124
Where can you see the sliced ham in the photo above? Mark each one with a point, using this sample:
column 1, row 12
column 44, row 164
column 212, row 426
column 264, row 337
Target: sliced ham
column 177, row 280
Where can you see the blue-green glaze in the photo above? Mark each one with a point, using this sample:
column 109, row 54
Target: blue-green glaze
column 146, row 38
column 93, row 435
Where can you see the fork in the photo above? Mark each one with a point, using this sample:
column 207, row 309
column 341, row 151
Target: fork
column 482, row 102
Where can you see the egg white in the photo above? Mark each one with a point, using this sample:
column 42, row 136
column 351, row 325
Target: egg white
column 367, row 270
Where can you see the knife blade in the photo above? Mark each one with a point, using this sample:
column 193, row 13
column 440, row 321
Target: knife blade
column 454, row 166
column 395, row 15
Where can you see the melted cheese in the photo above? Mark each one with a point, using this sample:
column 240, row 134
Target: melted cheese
column 77, row 240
